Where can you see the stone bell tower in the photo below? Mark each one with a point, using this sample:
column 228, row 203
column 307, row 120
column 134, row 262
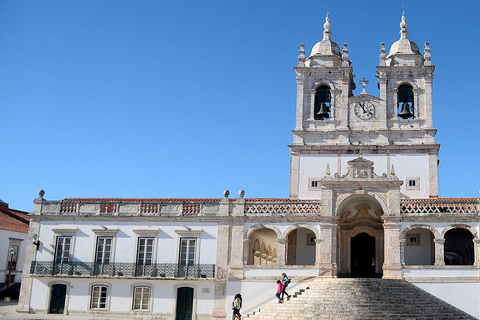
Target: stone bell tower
column 394, row 130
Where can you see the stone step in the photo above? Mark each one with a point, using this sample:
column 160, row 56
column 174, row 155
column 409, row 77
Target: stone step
column 347, row 299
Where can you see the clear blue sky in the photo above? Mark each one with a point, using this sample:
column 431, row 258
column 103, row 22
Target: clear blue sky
column 188, row 98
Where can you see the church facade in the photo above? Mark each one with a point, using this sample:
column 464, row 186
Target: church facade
column 363, row 203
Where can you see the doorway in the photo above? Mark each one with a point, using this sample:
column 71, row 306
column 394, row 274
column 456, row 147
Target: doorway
column 57, row 298
column 363, row 256
column 184, row 303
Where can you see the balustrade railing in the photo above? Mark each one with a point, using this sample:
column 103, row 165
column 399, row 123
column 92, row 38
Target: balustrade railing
column 439, row 205
column 90, row 269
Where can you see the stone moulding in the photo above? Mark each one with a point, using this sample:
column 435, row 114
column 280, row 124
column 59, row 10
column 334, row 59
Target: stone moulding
column 250, row 207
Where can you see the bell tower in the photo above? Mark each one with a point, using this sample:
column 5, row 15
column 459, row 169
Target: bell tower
column 395, row 130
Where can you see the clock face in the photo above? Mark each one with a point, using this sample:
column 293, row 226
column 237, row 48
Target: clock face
column 364, row 110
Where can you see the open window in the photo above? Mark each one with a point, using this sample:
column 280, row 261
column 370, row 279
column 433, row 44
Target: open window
column 405, row 104
column 322, row 106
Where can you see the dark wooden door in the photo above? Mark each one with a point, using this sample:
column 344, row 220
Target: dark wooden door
column 57, row 298
column 184, row 303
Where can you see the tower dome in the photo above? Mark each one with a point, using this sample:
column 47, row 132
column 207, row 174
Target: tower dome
column 325, row 52
column 404, row 51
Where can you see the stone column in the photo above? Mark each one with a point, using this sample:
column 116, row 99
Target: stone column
column 439, row 252
column 392, row 268
column 237, row 250
column 281, row 252
column 476, row 252
column 318, row 252
column 294, row 174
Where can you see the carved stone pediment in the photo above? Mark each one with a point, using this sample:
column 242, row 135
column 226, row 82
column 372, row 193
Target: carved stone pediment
column 363, row 214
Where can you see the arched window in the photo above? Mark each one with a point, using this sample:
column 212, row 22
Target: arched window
column 458, row 247
column 405, row 101
column 322, row 105
column 99, row 296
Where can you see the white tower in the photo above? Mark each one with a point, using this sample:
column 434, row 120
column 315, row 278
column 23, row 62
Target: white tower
column 394, row 130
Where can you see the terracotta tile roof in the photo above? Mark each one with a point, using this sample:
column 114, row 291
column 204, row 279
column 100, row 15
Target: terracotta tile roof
column 13, row 220
column 141, row 199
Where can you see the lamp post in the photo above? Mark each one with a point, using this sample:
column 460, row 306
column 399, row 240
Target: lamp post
column 12, row 253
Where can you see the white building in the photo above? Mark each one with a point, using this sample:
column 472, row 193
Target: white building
column 13, row 233
column 363, row 203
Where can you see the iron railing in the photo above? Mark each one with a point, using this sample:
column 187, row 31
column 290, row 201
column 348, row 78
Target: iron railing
column 120, row 269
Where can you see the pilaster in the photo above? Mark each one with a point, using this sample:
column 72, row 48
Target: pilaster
column 392, row 267
column 27, row 280
column 476, row 252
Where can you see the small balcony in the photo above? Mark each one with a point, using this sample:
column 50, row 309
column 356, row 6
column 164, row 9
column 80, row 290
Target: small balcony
column 121, row 270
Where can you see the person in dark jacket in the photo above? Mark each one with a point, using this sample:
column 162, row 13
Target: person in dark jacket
column 285, row 282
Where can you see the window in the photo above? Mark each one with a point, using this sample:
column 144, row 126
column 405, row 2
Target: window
column 187, row 251
column 321, row 109
column 99, row 297
column 62, row 249
column 413, row 239
column 145, row 251
column 104, row 250
column 314, row 184
column 405, row 101
column 141, row 297
column 412, row 183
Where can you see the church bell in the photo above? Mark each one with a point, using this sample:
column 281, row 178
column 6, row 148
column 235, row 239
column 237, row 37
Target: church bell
column 405, row 113
column 323, row 112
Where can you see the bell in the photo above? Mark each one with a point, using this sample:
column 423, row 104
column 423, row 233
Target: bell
column 405, row 113
column 323, row 112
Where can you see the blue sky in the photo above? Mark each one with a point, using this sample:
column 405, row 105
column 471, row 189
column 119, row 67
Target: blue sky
column 188, row 98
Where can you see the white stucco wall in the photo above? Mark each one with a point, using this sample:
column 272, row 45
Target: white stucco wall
column 125, row 245
column 406, row 166
column 121, row 292
column 461, row 295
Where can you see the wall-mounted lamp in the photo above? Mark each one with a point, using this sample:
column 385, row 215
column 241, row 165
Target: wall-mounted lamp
column 36, row 242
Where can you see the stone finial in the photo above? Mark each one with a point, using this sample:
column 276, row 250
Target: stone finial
column 383, row 56
column 226, row 193
column 301, row 56
column 345, row 57
column 241, row 193
column 392, row 171
column 403, row 28
column 427, row 56
column 327, row 34
column 328, row 173
column 41, row 193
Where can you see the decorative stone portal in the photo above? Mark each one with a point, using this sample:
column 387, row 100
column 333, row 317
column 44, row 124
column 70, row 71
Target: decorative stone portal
column 360, row 246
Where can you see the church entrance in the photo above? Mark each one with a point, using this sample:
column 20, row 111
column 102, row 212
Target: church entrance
column 363, row 256
column 360, row 250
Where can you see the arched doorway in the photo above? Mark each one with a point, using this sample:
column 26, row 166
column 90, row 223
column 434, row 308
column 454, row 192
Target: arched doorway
column 363, row 256
column 360, row 251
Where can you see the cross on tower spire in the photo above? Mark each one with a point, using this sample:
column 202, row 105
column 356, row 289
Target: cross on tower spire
column 363, row 82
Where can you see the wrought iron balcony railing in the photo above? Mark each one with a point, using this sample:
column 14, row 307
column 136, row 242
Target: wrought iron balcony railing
column 90, row 269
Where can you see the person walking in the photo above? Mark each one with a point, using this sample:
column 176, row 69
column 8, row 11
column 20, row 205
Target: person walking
column 236, row 306
column 285, row 282
column 279, row 291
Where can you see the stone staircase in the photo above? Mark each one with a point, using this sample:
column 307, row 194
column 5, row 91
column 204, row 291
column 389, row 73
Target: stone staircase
column 355, row 299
